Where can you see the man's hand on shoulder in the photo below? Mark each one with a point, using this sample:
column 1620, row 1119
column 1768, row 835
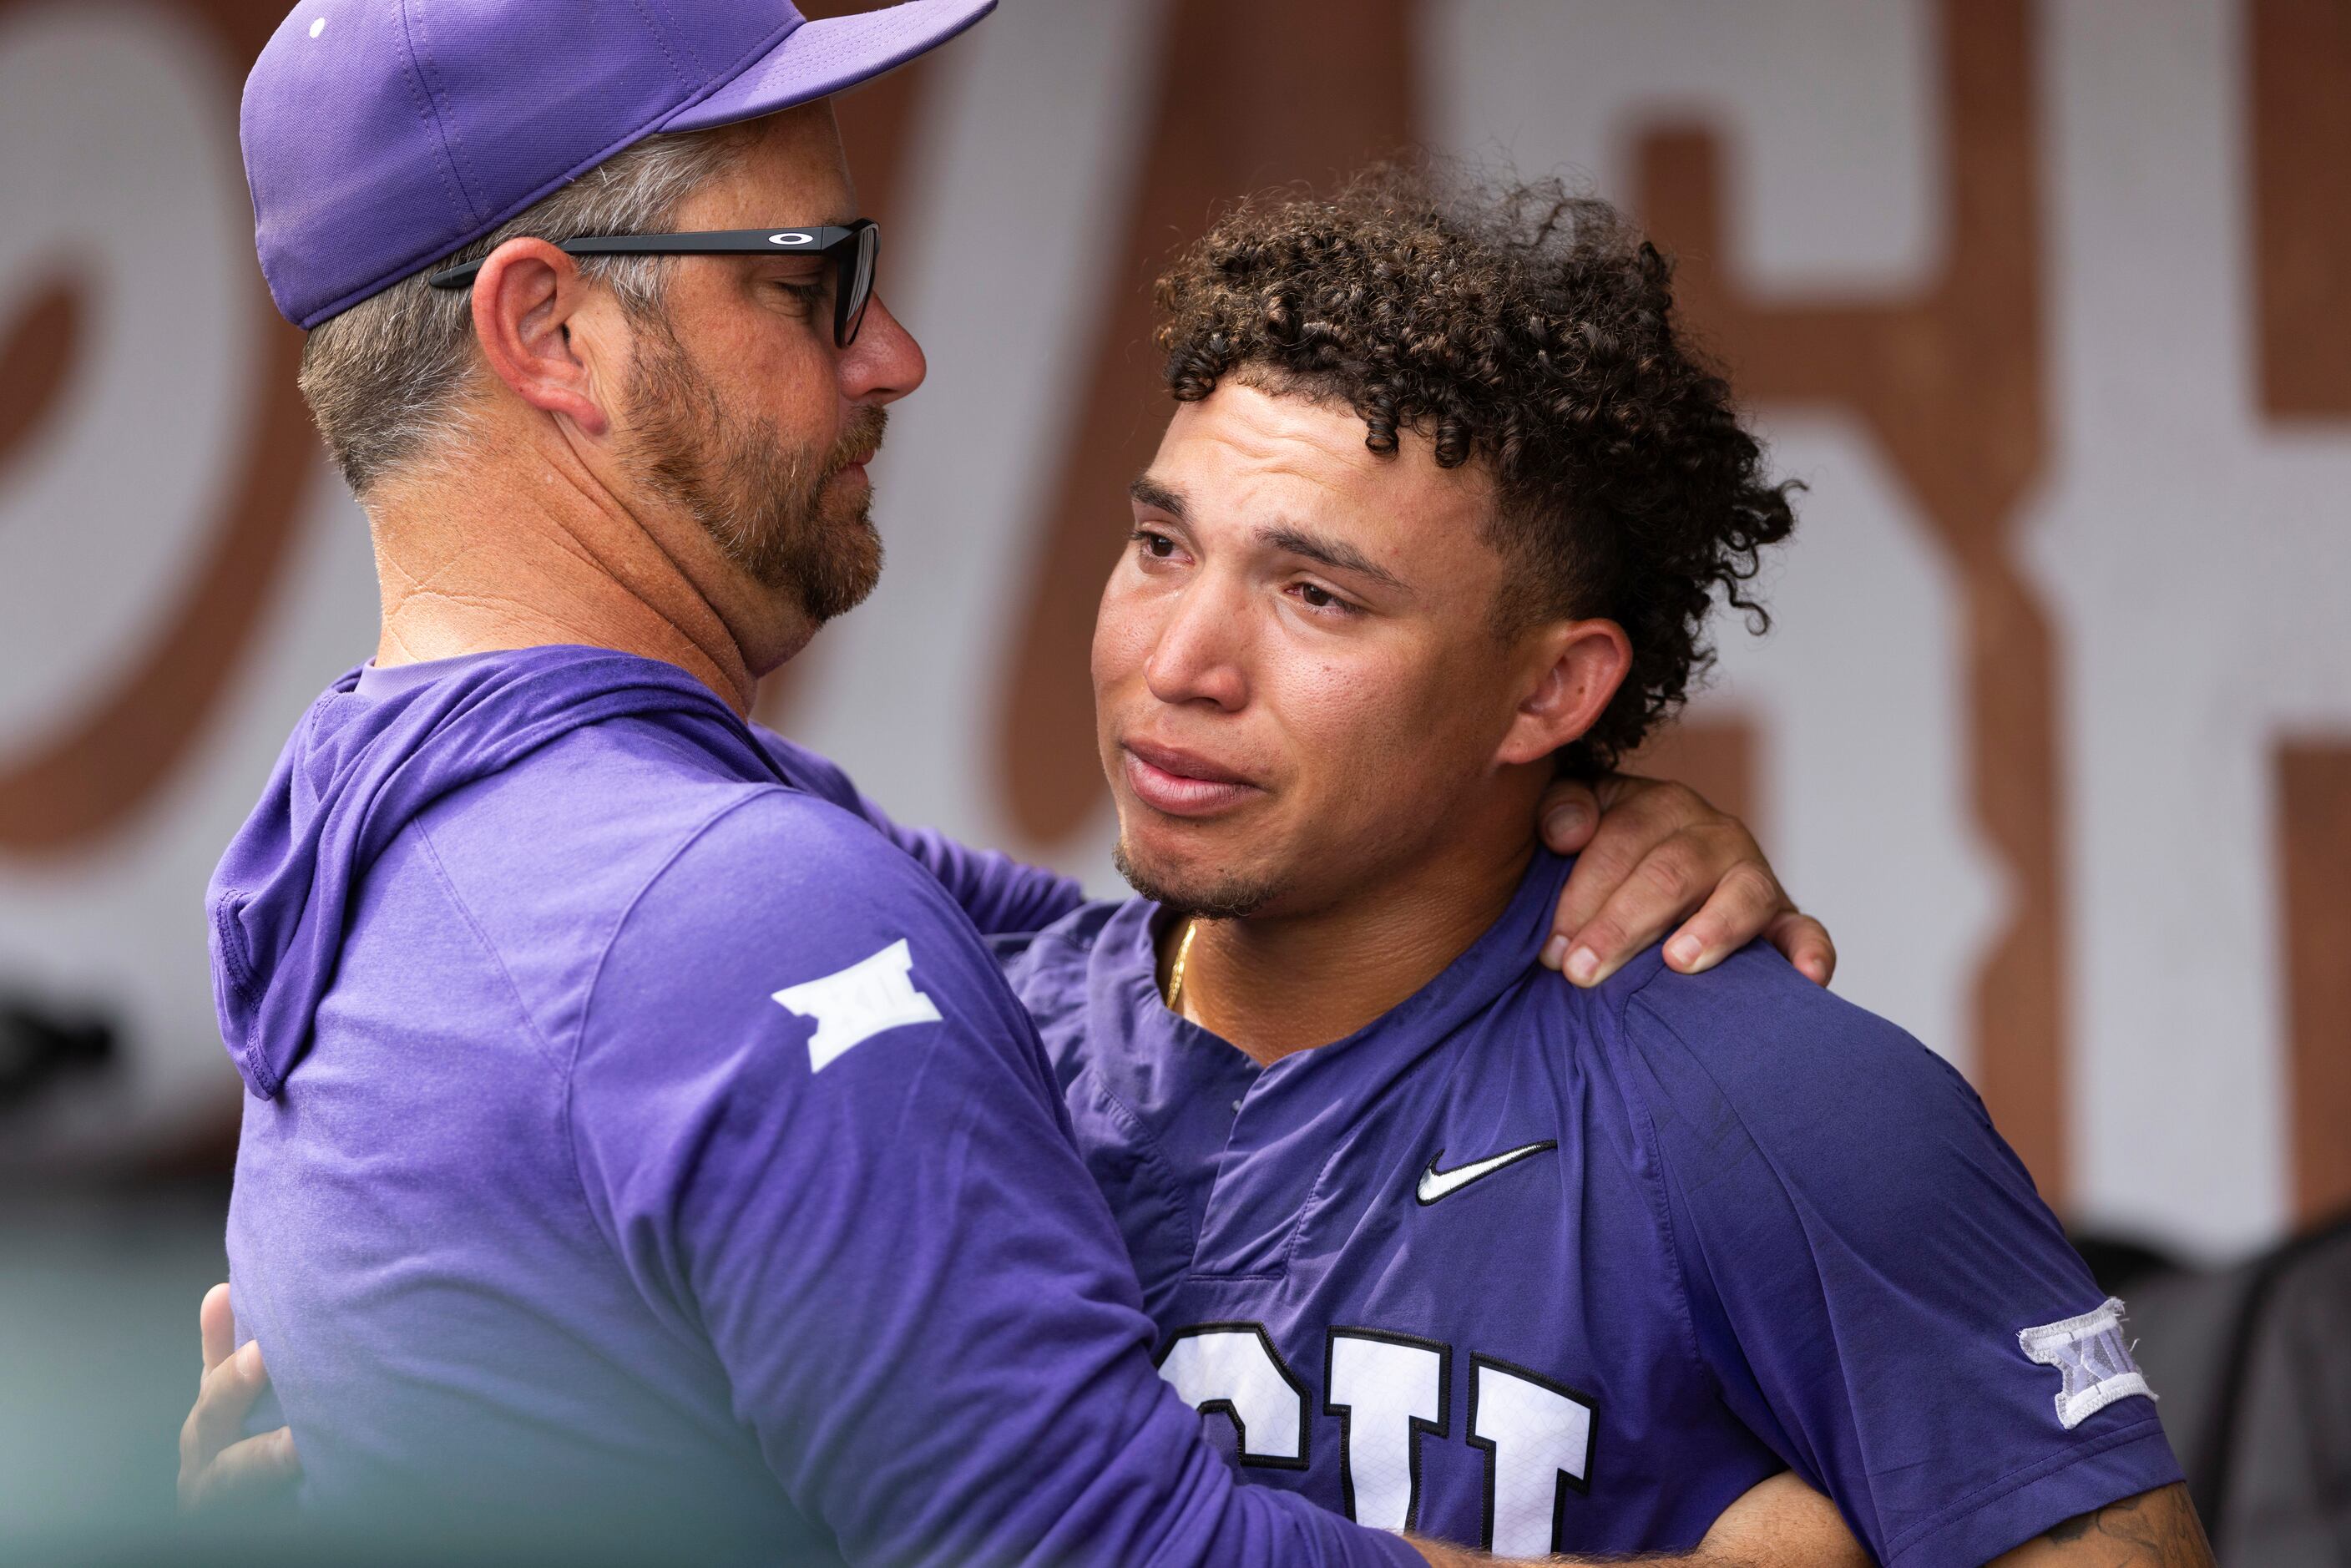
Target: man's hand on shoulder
column 1653, row 854
column 2156, row 1529
column 218, row 1467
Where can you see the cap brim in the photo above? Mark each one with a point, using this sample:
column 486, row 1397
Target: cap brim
column 829, row 55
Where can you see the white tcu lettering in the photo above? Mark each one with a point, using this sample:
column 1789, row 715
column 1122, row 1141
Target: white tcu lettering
column 1538, row 1441
column 1386, row 1392
column 1233, row 1368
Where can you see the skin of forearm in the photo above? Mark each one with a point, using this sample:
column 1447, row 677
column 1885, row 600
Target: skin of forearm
column 1441, row 1555
column 1701, row 1557
column 1779, row 1522
column 2154, row 1529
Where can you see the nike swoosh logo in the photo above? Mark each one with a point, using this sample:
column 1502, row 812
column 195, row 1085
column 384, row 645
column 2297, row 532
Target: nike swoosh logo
column 1436, row 1184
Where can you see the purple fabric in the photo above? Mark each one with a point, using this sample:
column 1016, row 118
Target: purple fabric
column 551, row 1213
column 380, row 135
column 398, row 680
column 999, row 895
column 1750, row 1227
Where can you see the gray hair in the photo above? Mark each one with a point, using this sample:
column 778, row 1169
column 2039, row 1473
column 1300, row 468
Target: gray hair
column 387, row 380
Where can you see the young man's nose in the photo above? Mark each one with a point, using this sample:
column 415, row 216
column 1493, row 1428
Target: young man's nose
column 1197, row 654
column 886, row 363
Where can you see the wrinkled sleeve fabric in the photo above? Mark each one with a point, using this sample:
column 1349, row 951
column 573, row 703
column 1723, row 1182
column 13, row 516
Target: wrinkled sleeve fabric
column 1861, row 1251
column 822, row 1136
column 1001, row 895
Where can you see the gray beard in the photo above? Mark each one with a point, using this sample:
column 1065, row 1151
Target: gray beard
column 759, row 499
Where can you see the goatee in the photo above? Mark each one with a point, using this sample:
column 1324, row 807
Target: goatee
column 1235, row 897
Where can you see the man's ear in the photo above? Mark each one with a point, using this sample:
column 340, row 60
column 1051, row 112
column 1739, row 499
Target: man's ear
column 1576, row 667
column 527, row 299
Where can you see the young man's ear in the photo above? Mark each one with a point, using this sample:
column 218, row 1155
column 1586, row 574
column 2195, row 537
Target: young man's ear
column 1578, row 666
column 527, row 298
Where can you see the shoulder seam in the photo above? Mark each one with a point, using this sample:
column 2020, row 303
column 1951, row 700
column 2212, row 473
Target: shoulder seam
column 432, row 853
column 1661, row 1199
column 569, row 1062
column 653, row 879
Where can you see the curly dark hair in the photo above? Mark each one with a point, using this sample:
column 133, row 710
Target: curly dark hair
column 1531, row 330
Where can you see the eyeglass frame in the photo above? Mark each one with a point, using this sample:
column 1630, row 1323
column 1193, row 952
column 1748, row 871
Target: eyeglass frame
column 855, row 251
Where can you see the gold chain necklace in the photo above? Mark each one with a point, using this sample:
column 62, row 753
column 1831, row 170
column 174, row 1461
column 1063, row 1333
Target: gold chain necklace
column 1183, row 957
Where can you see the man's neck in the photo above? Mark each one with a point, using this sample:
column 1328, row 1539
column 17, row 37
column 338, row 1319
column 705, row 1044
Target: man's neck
column 1274, row 985
column 568, row 564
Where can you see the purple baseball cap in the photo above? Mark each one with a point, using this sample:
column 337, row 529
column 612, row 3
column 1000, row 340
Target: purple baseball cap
column 380, row 135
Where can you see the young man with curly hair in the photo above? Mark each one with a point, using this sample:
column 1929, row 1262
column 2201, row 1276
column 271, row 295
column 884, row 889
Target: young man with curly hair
column 1441, row 512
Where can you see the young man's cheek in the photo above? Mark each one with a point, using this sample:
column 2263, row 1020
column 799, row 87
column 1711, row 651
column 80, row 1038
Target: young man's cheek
column 1121, row 640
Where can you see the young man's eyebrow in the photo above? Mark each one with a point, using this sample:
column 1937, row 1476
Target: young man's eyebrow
column 1149, row 492
column 1336, row 554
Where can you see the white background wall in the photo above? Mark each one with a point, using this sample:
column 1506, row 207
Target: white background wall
column 2197, row 561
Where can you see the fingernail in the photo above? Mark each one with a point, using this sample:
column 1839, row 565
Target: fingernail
column 1567, row 821
column 1554, row 953
column 1682, row 952
column 1584, row 965
column 249, row 1359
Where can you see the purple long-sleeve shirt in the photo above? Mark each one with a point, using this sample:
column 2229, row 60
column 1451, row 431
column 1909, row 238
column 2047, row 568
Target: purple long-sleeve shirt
column 642, row 1139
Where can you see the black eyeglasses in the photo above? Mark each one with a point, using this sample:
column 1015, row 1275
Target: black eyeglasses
column 853, row 250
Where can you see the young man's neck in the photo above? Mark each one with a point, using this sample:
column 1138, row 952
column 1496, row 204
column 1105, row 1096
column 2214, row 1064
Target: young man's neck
column 475, row 557
column 1275, row 985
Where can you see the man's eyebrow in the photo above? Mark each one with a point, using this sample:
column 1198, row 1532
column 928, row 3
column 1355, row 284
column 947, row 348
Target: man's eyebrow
column 1336, row 554
column 1149, row 492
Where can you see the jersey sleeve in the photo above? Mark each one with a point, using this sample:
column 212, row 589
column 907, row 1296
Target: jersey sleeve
column 819, row 1134
column 1873, row 1279
column 1001, row 895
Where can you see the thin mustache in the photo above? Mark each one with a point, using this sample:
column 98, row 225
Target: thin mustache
column 864, row 440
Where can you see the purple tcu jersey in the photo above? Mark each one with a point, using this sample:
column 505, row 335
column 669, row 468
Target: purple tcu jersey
column 1543, row 1270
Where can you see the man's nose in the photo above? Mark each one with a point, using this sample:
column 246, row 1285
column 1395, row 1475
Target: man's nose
column 886, row 363
column 1201, row 649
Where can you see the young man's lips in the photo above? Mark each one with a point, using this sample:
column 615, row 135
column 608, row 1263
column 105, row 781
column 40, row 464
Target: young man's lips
column 1180, row 784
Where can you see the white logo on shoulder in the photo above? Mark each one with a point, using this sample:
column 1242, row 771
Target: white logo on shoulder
column 869, row 997
column 2093, row 1361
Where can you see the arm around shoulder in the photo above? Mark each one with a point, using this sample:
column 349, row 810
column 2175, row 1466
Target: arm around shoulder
column 818, row 1130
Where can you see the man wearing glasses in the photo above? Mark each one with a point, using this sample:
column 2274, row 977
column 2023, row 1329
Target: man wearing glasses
column 641, row 1139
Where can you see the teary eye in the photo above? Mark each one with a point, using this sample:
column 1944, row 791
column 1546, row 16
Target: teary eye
column 1324, row 603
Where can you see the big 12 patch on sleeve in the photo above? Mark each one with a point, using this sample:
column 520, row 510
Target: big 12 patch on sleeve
column 851, row 1007
column 2093, row 1361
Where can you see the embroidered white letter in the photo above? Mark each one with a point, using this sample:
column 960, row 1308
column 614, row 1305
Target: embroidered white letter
column 1386, row 1391
column 2092, row 1359
column 860, row 1002
column 1233, row 1367
column 1537, row 1434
